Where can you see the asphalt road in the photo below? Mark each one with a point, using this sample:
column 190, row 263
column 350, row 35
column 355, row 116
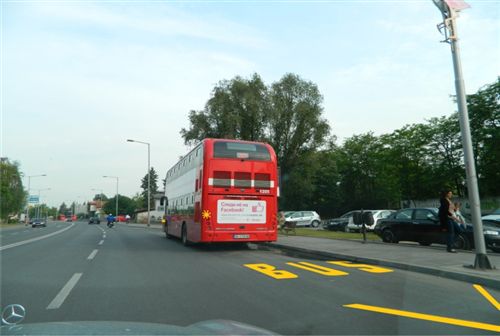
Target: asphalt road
column 92, row 273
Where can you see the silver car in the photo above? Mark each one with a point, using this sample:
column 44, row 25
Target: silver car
column 303, row 218
column 377, row 215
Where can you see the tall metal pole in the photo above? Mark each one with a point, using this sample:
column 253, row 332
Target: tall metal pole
column 450, row 15
column 149, row 187
column 117, row 196
column 149, row 178
column 27, row 203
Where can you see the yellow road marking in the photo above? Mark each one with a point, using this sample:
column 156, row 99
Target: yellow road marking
column 317, row 269
column 487, row 296
column 271, row 271
column 362, row 267
column 427, row 317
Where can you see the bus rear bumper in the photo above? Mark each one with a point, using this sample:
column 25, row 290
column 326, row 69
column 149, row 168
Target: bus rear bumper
column 241, row 236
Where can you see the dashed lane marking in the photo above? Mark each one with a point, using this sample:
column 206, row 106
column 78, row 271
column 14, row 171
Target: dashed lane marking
column 63, row 294
column 92, row 255
column 426, row 317
column 102, row 241
column 487, row 296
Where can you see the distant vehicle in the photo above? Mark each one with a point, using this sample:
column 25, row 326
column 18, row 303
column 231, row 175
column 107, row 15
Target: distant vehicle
column 377, row 215
column 69, row 219
column 38, row 222
column 495, row 215
column 422, row 225
column 94, row 220
column 303, row 218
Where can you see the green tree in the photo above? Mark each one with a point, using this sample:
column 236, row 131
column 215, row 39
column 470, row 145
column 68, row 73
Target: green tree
column 63, row 209
column 237, row 109
column 296, row 125
column 484, row 115
column 13, row 196
column 125, row 205
column 153, row 187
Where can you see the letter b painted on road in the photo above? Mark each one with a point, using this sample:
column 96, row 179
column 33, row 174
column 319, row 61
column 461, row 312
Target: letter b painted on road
column 271, row 271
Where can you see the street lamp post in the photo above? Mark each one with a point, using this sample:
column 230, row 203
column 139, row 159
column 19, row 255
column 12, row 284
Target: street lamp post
column 450, row 9
column 149, row 178
column 27, row 204
column 117, row 179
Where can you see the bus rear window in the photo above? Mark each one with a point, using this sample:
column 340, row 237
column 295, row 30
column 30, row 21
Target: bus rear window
column 239, row 150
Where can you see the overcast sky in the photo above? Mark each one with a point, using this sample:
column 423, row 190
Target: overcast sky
column 81, row 77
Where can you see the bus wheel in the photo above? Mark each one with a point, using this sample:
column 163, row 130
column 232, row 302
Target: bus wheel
column 184, row 238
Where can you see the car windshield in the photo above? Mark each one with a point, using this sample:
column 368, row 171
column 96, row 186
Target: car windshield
column 150, row 148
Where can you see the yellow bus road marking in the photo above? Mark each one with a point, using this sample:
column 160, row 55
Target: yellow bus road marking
column 317, row 269
column 487, row 296
column 271, row 271
column 362, row 267
column 426, row 317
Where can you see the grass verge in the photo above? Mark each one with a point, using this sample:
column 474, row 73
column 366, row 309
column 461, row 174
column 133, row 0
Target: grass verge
column 307, row 232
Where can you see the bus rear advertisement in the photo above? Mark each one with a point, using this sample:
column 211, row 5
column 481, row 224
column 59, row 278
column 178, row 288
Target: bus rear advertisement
column 223, row 191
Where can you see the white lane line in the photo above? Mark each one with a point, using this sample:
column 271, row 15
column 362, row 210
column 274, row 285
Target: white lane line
column 63, row 294
column 92, row 255
column 102, row 241
column 14, row 233
column 35, row 239
column 26, row 231
column 103, row 236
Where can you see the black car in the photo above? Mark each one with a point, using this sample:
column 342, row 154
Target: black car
column 336, row 224
column 94, row 220
column 422, row 225
column 38, row 222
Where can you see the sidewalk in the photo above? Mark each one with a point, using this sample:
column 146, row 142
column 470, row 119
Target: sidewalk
column 428, row 260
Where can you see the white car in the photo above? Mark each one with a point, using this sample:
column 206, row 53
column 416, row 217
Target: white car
column 495, row 215
column 377, row 215
column 303, row 218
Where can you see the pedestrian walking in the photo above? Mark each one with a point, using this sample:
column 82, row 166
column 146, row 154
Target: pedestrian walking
column 281, row 220
column 447, row 219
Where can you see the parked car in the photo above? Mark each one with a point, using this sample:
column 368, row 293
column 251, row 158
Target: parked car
column 94, row 220
column 377, row 215
column 38, row 222
column 495, row 215
column 346, row 221
column 422, row 225
column 339, row 224
column 303, row 218
column 491, row 229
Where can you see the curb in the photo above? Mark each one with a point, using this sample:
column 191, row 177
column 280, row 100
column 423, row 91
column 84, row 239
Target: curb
column 491, row 283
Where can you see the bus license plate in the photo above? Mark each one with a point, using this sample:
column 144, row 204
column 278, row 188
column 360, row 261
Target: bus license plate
column 241, row 236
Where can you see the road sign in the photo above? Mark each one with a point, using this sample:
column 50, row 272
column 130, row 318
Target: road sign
column 34, row 199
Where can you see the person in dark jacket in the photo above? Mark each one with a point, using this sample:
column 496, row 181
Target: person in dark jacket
column 447, row 219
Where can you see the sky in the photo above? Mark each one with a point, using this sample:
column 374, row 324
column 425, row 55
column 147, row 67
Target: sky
column 79, row 78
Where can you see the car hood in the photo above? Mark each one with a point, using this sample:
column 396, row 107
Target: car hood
column 209, row 327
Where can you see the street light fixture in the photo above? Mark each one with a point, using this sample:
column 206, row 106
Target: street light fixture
column 27, row 205
column 117, row 179
column 450, row 9
column 149, row 178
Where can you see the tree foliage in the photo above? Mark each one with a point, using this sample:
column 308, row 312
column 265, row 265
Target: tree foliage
column 13, row 196
column 125, row 205
column 153, row 176
column 367, row 171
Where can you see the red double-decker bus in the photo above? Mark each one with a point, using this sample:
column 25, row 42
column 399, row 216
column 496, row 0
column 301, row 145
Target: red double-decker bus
column 223, row 191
